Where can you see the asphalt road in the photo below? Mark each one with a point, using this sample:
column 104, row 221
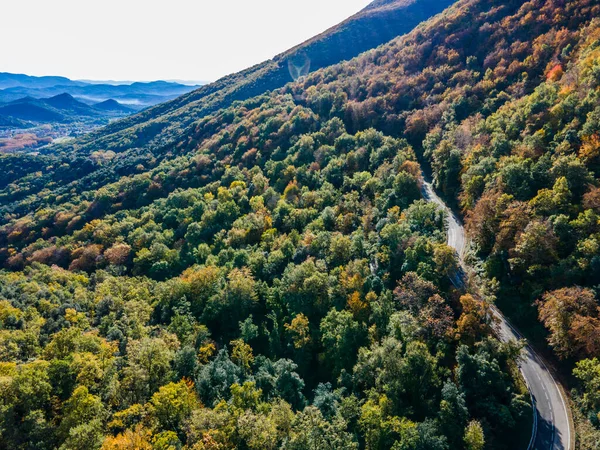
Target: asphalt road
column 551, row 429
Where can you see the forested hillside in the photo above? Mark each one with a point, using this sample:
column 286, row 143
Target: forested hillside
column 268, row 276
column 161, row 125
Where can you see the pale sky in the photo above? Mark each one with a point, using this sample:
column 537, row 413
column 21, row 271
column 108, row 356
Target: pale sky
column 150, row 40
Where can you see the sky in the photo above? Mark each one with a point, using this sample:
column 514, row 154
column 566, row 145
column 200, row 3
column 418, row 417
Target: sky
column 199, row 40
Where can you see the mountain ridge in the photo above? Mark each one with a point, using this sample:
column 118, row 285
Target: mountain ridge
column 8, row 80
column 373, row 28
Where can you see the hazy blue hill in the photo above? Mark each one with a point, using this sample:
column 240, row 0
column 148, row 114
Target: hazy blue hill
column 67, row 103
column 112, row 105
column 62, row 108
column 160, row 84
column 10, row 80
column 153, row 87
column 32, row 109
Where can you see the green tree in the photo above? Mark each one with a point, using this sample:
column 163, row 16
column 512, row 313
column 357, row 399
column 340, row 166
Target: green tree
column 453, row 413
column 311, row 430
column 86, row 436
column 474, row 438
column 341, row 336
column 148, row 368
column 173, row 404
column 80, row 410
column 587, row 371
column 215, row 378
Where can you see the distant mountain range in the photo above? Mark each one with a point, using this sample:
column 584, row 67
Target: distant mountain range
column 136, row 95
column 62, row 108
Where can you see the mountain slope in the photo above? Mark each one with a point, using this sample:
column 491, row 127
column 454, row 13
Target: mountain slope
column 388, row 94
column 368, row 28
column 151, row 130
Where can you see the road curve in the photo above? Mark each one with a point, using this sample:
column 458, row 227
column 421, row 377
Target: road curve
column 551, row 428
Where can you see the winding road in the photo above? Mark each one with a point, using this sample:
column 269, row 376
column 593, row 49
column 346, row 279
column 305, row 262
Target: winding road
column 551, row 427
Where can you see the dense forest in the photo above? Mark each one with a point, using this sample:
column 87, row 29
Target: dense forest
column 270, row 277
column 274, row 306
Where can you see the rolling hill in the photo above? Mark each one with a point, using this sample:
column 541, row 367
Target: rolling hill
column 49, row 119
column 66, row 102
column 11, row 122
column 60, row 109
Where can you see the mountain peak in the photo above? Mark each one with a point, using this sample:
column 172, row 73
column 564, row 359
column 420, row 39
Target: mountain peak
column 66, row 102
